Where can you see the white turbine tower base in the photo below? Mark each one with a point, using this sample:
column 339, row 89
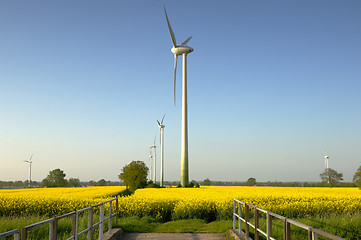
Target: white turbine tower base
column 183, row 50
column 30, row 162
column 150, row 163
column 154, row 147
column 161, row 128
column 326, row 161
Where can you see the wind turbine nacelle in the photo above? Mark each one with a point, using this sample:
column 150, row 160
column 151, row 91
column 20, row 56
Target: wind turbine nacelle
column 180, row 50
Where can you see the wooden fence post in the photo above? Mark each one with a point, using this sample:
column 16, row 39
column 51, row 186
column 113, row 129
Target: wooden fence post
column 101, row 225
column 256, row 224
column 17, row 236
column 239, row 220
column 234, row 212
column 90, row 223
column 269, row 226
column 74, row 229
column 53, row 229
column 110, row 218
column 246, row 226
column 117, row 210
column 23, row 233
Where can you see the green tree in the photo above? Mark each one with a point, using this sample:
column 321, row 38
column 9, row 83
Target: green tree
column 74, row 182
column 134, row 175
column 206, row 182
column 92, row 183
column 102, row 182
column 331, row 177
column 251, row 182
column 55, row 178
column 357, row 177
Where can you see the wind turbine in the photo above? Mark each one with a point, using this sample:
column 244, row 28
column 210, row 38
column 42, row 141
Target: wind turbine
column 155, row 160
column 183, row 50
column 30, row 162
column 150, row 163
column 327, row 169
column 161, row 128
column 326, row 161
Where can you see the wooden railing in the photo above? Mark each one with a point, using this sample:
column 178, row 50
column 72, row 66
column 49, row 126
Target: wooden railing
column 312, row 233
column 53, row 223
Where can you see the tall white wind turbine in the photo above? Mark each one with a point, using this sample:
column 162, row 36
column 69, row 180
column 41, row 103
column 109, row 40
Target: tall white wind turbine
column 154, row 147
column 30, row 162
column 150, row 163
column 326, row 162
column 326, row 168
column 161, row 128
column 183, row 50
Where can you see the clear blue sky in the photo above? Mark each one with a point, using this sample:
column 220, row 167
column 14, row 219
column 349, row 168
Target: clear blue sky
column 272, row 86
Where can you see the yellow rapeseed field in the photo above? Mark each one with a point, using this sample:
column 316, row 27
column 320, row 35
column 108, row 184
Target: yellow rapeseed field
column 182, row 203
column 51, row 201
column 217, row 202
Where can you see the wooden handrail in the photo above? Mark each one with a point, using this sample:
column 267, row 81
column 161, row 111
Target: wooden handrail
column 53, row 223
column 312, row 232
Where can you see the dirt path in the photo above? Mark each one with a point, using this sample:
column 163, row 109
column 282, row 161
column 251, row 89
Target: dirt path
column 173, row 236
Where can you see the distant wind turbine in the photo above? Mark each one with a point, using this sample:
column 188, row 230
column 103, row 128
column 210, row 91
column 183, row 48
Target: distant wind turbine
column 154, row 147
column 161, row 128
column 150, row 163
column 326, row 161
column 327, row 169
column 183, row 50
column 30, row 162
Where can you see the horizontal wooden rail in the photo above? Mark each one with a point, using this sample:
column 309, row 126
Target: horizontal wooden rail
column 15, row 233
column 313, row 233
column 53, row 223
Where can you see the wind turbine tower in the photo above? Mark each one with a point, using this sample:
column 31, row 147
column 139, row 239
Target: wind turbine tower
column 327, row 169
column 326, row 162
column 150, row 163
column 183, row 50
column 30, row 162
column 161, row 128
column 155, row 161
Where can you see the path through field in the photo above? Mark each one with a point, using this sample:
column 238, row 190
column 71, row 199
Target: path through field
column 173, row 236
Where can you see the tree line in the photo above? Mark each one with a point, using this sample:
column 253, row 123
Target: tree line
column 134, row 175
column 56, row 178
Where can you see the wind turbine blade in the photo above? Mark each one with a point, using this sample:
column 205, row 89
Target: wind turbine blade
column 162, row 119
column 175, row 73
column 186, row 41
column 31, row 157
column 170, row 30
column 158, row 123
column 154, row 140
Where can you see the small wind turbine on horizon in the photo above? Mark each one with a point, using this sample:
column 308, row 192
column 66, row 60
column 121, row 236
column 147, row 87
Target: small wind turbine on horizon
column 183, row 50
column 30, row 162
column 154, row 147
column 161, row 129
column 326, row 161
column 326, row 168
column 150, row 163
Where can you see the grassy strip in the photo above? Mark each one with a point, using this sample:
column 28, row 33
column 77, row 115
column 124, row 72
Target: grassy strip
column 148, row 224
column 346, row 226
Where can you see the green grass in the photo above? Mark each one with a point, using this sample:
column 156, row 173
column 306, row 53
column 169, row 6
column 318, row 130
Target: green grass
column 148, row 224
column 345, row 226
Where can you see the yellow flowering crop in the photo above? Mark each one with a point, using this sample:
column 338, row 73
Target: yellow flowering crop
column 181, row 203
column 51, row 201
column 217, row 202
